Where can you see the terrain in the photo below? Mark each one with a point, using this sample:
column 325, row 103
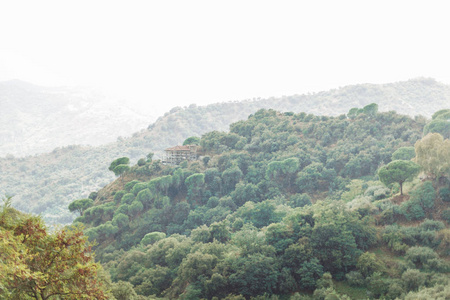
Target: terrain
column 47, row 183
column 284, row 205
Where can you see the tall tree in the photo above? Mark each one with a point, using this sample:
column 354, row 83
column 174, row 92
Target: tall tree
column 433, row 155
column 398, row 171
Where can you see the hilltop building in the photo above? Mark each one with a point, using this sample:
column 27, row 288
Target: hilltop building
column 176, row 155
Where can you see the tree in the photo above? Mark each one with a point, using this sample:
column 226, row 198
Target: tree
column 398, row 171
column 120, row 169
column 404, row 153
column 119, row 161
column 80, row 205
column 193, row 140
column 36, row 264
column 433, row 155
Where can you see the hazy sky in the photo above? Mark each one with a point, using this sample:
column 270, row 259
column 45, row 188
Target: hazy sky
column 180, row 52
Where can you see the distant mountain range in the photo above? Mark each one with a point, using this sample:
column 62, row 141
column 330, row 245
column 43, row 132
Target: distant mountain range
column 38, row 119
column 47, row 183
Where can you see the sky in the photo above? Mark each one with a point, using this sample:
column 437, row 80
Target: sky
column 174, row 53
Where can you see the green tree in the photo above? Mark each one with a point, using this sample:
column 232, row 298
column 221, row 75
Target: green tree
column 80, row 205
column 404, row 153
column 433, row 155
column 119, row 161
column 193, row 140
column 121, row 169
column 398, row 171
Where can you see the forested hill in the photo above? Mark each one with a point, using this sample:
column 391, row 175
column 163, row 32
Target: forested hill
column 46, row 183
column 287, row 204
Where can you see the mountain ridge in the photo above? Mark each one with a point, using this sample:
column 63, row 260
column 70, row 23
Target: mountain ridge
column 22, row 176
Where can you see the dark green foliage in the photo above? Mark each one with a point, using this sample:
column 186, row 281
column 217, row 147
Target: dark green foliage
column 193, row 140
column 152, row 237
column 413, row 279
column 119, row 161
column 299, row 200
column 439, row 125
column 444, row 193
column 404, row 153
column 141, row 162
column 130, row 185
column 118, row 196
column 445, row 215
column 243, row 222
column 422, row 200
column 254, row 275
column 80, row 205
column 127, row 198
column 398, row 171
column 120, row 166
column 315, row 177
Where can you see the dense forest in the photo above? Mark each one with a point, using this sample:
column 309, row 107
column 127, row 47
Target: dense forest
column 45, row 184
column 283, row 206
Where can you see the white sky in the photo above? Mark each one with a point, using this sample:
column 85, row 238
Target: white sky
column 180, row 52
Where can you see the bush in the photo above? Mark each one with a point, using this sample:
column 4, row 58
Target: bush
column 413, row 279
column 421, row 257
column 141, row 162
column 445, row 215
column 355, row 278
column 130, row 185
column 127, row 198
column 152, row 237
column 444, row 193
column 299, row 200
column 118, row 196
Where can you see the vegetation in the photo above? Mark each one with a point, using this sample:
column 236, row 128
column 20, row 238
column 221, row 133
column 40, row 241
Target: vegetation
column 287, row 205
column 45, row 184
column 37, row 264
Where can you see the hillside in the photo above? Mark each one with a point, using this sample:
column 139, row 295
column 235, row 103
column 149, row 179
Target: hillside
column 38, row 119
column 47, row 183
column 284, row 204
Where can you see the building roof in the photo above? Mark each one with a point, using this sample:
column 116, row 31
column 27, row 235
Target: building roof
column 179, row 148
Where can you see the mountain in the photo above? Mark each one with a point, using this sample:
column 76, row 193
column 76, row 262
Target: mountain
column 38, row 119
column 47, row 183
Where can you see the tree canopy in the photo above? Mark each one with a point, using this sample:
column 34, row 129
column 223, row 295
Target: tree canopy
column 398, row 171
column 37, row 264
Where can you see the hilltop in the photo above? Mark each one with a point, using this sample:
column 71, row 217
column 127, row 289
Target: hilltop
column 284, row 204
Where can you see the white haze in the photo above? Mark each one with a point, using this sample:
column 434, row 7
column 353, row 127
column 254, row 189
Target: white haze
column 160, row 54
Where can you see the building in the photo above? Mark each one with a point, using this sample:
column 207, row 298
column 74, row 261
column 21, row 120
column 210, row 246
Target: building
column 176, row 155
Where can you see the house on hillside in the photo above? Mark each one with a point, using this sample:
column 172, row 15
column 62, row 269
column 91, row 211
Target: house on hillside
column 176, row 155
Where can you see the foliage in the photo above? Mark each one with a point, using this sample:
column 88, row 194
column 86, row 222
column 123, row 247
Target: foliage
column 262, row 214
column 80, row 205
column 398, row 171
column 404, row 153
column 433, row 155
column 37, row 264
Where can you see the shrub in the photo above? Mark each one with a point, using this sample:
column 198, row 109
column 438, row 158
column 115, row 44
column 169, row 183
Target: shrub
column 152, row 237
column 141, row 162
column 299, row 200
column 421, row 257
column 413, row 279
column 118, row 196
column 127, row 198
column 130, row 185
column 445, row 215
column 355, row 278
column 444, row 193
